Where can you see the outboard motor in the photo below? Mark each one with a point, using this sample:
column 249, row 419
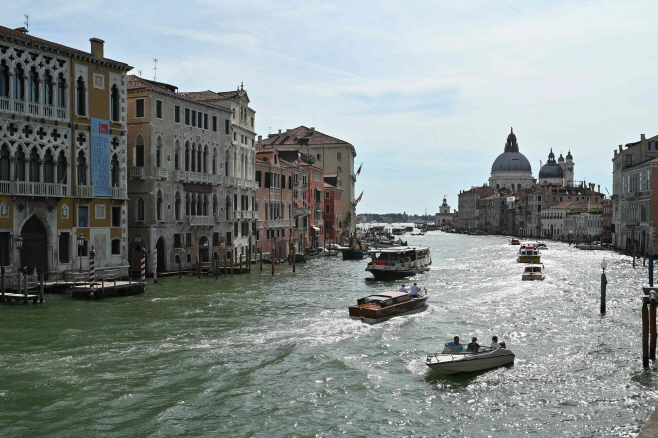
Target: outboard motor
column 502, row 345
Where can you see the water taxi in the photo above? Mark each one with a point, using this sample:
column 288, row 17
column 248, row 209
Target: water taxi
column 382, row 306
column 398, row 261
column 533, row 271
column 398, row 231
column 528, row 254
column 468, row 360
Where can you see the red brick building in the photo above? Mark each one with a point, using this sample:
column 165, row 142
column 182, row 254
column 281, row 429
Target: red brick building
column 333, row 206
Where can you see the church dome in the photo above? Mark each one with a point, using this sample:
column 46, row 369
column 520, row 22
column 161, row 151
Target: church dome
column 551, row 169
column 511, row 160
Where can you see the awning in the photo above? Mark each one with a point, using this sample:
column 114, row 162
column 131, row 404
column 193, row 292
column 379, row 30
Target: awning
column 316, row 229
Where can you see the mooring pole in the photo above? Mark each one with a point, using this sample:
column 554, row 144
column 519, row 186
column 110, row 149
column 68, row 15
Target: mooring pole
column 260, row 250
column 143, row 276
column 25, row 290
column 41, row 288
column 155, row 264
column 198, row 269
column 604, row 283
column 273, row 256
column 225, row 263
column 2, row 283
column 179, row 266
column 294, row 256
column 241, row 262
column 645, row 332
column 232, row 267
column 652, row 326
column 650, row 270
column 216, row 265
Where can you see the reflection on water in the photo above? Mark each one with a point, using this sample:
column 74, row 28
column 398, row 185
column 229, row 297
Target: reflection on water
column 263, row 355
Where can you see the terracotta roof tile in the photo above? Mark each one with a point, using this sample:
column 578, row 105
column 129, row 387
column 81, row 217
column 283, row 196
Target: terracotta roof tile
column 29, row 38
column 136, row 83
column 299, row 135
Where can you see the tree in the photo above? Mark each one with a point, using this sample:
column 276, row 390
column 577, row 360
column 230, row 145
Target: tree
column 347, row 221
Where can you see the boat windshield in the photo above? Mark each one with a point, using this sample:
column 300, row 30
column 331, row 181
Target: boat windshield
column 466, row 349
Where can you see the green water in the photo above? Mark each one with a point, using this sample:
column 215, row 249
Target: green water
column 265, row 356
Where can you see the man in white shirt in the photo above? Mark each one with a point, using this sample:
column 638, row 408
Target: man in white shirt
column 414, row 290
column 402, row 289
column 494, row 342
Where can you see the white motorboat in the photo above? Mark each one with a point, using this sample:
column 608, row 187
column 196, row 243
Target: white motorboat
column 542, row 246
column 398, row 262
column 590, row 246
column 534, row 271
column 450, row 361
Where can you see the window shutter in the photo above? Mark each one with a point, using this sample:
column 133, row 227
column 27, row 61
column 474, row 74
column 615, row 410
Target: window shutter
column 283, row 181
column 258, row 173
column 267, row 180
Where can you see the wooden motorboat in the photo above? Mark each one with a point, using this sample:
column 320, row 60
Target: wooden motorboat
column 382, row 306
column 534, row 271
column 528, row 254
column 514, row 242
column 398, row 262
column 450, row 361
column 590, row 246
column 354, row 251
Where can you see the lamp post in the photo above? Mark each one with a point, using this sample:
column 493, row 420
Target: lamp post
column 604, row 283
column 81, row 242
column 19, row 246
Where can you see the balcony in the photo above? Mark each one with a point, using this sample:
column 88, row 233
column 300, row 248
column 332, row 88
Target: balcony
column 240, row 183
column 302, row 211
column 278, row 223
column 161, row 172
column 219, row 180
column 27, row 188
column 119, row 193
column 85, row 191
column 32, row 108
column 193, row 177
column 230, row 181
column 248, row 184
column 246, row 214
column 202, row 221
column 275, row 190
column 237, row 214
column 179, row 175
column 138, row 172
column 259, row 225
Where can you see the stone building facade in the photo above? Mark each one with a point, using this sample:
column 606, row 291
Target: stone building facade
column 183, row 199
column 62, row 155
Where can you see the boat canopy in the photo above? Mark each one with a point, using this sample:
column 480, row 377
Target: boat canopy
column 399, row 249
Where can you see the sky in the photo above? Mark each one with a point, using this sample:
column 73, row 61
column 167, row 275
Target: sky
column 426, row 91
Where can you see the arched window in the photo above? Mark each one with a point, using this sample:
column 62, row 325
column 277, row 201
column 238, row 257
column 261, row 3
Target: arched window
column 187, row 156
column 177, row 156
column 115, row 104
column 158, row 153
column 187, row 205
column 205, row 159
column 34, row 165
column 199, row 205
column 226, row 164
column 140, row 209
column 61, row 168
column 139, row 151
column 48, row 168
column 4, row 79
column 215, row 206
column 160, row 207
column 61, row 91
column 229, row 210
column 116, row 171
column 48, row 88
column 81, row 97
column 19, row 83
column 205, row 205
column 177, row 207
column 82, row 169
column 214, row 162
column 4, row 163
column 20, row 165
column 33, row 85
column 193, row 157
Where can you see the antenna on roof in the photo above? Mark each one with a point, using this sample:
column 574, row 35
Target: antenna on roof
column 155, row 68
column 269, row 130
column 27, row 22
column 140, row 73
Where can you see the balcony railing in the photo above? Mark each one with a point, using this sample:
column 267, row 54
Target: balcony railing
column 275, row 190
column 193, row 177
column 179, row 175
column 161, row 172
column 302, row 211
column 246, row 214
column 33, row 188
column 239, row 182
column 248, row 184
column 237, row 214
column 85, row 191
column 202, row 221
column 32, row 108
column 138, row 172
column 4, row 103
column 278, row 223
column 119, row 193
column 230, row 181
column 219, row 179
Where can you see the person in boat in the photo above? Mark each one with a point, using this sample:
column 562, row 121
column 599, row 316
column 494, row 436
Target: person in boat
column 403, row 289
column 473, row 346
column 455, row 345
column 494, row 342
column 414, row 290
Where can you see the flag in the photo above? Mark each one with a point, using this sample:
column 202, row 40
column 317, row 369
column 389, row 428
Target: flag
column 359, row 171
column 359, row 198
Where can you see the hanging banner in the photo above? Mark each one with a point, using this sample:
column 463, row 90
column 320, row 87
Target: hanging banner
column 100, row 157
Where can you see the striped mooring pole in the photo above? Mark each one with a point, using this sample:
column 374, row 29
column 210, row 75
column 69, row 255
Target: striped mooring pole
column 155, row 265
column 92, row 270
column 143, row 277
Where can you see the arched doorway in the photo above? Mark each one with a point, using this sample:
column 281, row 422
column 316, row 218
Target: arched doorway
column 204, row 250
column 34, row 253
column 160, row 247
column 137, row 257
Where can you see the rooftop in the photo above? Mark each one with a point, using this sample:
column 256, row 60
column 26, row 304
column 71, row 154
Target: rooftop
column 301, row 136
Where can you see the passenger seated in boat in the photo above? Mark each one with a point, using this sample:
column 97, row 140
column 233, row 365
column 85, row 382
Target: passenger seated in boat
column 455, row 346
column 473, row 346
column 403, row 289
column 414, row 290
column 494, row 342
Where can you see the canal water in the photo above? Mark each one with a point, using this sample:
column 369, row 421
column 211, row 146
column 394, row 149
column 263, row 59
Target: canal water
column 268, row 356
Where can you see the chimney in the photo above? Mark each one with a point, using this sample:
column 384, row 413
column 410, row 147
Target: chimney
column 21, row 29
column 288, row 131
column 642, row 137
column 97, row 47
column 279, row 131
column 619, row 148
column 312, row 130
column 615, row 151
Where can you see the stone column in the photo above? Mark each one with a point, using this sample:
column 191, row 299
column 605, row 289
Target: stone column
column 41, row 170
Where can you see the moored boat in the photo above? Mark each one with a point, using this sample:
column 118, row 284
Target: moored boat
column 534, row 271
column 398, row 261
column 382, row 306
column 590, row 246
column 450, row 361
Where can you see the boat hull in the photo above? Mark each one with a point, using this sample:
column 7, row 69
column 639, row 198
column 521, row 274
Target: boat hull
column 460, row 364
column 371, row 316
column 353, row 254
column 526, row 277
column 380, row 274
column 528, row 259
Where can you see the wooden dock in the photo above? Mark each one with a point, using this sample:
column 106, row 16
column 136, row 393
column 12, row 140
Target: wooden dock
column 9, row 297
column 106, row 289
